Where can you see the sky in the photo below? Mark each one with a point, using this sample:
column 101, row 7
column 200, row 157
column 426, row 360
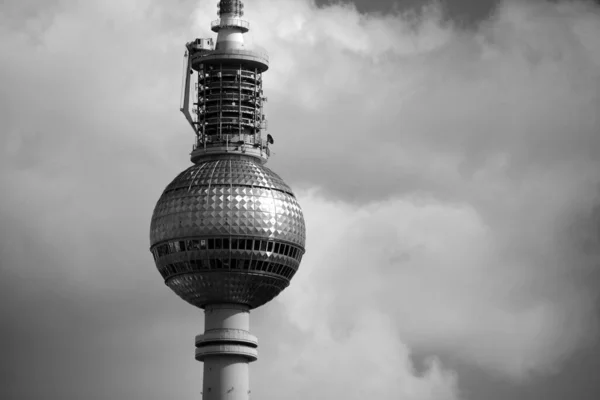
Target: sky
column 446, row 156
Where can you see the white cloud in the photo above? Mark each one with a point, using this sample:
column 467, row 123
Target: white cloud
column 368, row 360
column 442, row 276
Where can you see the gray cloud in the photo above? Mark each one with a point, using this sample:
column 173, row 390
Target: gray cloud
column 467, row 13
column 449, row 178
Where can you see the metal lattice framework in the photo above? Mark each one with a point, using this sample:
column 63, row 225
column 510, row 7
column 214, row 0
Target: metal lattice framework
column 230, row 105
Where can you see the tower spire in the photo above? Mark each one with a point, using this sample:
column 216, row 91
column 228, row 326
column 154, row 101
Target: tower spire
column 230, row 8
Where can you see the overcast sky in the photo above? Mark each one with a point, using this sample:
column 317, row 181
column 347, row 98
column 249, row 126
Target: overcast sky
column 447, row 159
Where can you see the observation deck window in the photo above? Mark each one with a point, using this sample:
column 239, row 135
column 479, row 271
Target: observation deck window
column 226, row 243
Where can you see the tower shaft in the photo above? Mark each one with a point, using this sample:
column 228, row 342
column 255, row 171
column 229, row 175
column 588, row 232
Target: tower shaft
column 226, row 348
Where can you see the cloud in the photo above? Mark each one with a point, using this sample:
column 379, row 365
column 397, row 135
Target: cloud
column 449, row 180
column 482, row 139
column 445, row 280
column 368, row 360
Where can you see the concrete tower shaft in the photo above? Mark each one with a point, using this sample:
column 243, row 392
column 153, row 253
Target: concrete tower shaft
column 230, row 26
column 226, row 348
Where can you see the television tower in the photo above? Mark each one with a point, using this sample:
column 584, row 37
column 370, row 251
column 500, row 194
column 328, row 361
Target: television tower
column 227, row 234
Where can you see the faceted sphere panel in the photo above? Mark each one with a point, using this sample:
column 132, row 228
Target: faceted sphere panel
column 227, row 230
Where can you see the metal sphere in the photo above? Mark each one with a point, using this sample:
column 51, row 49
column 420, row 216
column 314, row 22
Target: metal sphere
column 227, row 230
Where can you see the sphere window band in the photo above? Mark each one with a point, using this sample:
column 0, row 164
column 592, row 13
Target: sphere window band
column 227, row 244
column 186, row 267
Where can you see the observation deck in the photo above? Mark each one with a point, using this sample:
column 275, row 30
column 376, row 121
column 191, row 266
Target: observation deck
column 253, row 59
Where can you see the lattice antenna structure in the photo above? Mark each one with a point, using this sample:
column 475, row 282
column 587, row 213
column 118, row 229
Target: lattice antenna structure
column 226, row 108
column 227, row 234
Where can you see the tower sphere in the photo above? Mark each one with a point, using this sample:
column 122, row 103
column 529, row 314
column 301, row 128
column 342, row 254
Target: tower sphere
column 227, row 230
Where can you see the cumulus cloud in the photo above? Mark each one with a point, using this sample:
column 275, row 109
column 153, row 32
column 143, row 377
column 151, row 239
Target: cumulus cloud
column 441, row 275
column 449, row 179
column 366, row 361
column 484, row 139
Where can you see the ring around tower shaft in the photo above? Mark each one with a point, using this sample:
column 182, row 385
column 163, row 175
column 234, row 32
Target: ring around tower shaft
column 226, row 348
